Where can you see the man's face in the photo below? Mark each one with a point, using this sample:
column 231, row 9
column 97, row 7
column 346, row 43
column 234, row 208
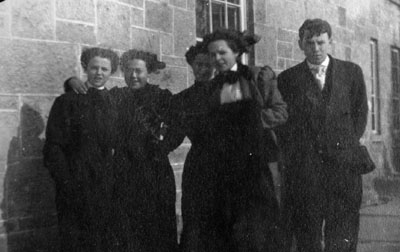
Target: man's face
column 202, row 67
column 315, row 47
column 135, row 73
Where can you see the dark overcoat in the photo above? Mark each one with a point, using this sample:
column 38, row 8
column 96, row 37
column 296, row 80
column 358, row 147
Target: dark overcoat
column 228, row 203
column 323, row 127
column 145, row 184
column 79, row 153
column 115, row 186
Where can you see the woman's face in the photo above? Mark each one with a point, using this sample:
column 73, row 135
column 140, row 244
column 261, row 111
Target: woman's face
column 202, row 67
column 135, row 73
column 98, row 71
column 222, row 55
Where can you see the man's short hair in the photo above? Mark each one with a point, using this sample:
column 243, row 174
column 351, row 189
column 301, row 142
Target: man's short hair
column 315, row 27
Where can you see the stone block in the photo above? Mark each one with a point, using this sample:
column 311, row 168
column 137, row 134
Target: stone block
column 281, row 64
column 265, row 49
column 9, row 130
column 167, row 44
column 36, row 67
column 378, row 246
column 191, row 5
column 75, row 33
column 294, row 11
column 179, row 3
column 79, row 10
column 184, row 31
column 113, row 25
column 136, row 3
column 5, row 30
column 137, row 17
column 172, row 78
column 8, row 102
column 175, row 61
column 331, row 14
column 312, row 10
column 342, row 16
column 4, row 6
column 347, row 53
column 286, row 35
column 343, row 35
column 33, row 19
column 146, row 40
column 260, row 13
column 285, row 50
column 158, row 16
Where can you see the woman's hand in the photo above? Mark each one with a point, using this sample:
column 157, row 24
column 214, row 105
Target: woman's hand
column 77, row 85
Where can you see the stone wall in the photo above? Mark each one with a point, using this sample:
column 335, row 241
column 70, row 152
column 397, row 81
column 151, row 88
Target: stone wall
column 40, row 45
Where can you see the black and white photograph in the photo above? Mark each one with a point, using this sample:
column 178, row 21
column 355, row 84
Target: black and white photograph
column 200, row 126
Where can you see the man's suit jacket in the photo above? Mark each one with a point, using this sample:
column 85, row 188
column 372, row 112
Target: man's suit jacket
column 330, row 121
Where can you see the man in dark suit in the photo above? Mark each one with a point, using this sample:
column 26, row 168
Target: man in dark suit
column 327, row 117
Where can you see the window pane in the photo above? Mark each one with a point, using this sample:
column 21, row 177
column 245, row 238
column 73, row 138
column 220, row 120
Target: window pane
column 394, row 58
column 373, row 122
column 233, row 17
column 202, row 18
column 234, row 1
column 372, row 105
column 395, row 80
column 396, row 121
column 378, row 115
column 218, row 16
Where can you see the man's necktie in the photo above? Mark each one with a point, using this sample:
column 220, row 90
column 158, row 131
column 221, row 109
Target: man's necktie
column 319, row 73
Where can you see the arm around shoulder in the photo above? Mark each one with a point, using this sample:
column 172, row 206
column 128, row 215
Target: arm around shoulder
column 274, row 112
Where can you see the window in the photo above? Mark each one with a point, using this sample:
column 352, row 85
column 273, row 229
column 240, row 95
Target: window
column 375, row 97
column 214, row 14
column 396, row 88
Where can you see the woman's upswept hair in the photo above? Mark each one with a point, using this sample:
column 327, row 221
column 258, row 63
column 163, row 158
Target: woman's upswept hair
column 239, row 42
column 193, row 51
column 152, row 64
column 90, row 53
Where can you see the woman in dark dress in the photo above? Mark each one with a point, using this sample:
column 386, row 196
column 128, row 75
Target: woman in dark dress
column 79, row 152
column 228, row 202
column 144, row 186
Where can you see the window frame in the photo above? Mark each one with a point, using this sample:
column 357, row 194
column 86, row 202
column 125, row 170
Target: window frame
column 375, row 88
column 242, row 8
column 395, row 89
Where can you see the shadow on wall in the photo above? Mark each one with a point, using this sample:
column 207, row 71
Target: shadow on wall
column 28, row 207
